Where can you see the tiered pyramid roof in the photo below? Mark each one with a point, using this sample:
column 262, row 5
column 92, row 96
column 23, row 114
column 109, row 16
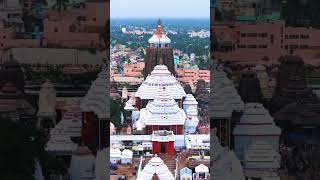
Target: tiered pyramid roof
column 164, row 110
column 160, row 77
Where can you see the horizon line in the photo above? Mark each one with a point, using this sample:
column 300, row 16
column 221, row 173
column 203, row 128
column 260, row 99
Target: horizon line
column 160, row 18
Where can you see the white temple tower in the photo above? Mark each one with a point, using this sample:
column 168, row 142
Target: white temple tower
column 47, row 103
column 190, row 106
column 125, row 93
column 256, row 124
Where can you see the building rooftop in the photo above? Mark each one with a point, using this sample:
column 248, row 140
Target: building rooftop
column 256, row 120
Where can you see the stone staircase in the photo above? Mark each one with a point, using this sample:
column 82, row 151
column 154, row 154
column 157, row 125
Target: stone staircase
column 170, row 161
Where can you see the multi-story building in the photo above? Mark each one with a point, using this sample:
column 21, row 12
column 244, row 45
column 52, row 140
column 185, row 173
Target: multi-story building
column 187, row 75
column 252, row 42
column 76, row 27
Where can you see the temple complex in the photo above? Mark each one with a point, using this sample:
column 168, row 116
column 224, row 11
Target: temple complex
column 248, row 134
column 164, row 122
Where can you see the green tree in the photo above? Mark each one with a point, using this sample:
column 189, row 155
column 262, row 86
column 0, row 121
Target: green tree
column 22, row 143
column 116, row 108
column 18, row 150
column 60, row 5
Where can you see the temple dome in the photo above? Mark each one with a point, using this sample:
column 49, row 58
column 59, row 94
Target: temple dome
column 161, row 70
column 128, row 106
column 159, row 37
column 192, row 111
column 160, row 77
column 155, row 166
column 162, row 111
column 112, row 128
column 256, row 120
column 97, row 97
column 224, row 97
column 47, row 100
column 190, row 100
column 126, row 153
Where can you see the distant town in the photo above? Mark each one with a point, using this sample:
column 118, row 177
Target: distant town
column 129, row 43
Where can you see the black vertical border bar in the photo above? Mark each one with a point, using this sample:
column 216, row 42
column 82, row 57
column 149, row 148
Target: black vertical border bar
column 212, row 19
column 107, row 124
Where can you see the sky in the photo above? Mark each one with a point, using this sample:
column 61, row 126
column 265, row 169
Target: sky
column 160, row 8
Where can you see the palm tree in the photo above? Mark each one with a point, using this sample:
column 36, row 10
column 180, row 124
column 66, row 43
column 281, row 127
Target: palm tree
column 60, row 5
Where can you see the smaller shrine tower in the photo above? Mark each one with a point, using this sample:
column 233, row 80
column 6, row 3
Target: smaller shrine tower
column 47, row 104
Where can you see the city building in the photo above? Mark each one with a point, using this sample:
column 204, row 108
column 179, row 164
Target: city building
column 192, row 75
column 76, row 27
column 251, row 42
